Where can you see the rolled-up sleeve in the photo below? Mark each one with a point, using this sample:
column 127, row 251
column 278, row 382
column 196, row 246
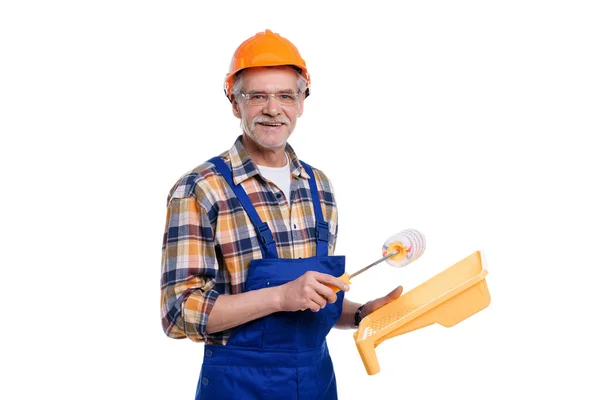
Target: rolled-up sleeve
column 189, row 270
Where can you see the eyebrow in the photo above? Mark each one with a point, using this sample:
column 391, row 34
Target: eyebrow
column 287, row 91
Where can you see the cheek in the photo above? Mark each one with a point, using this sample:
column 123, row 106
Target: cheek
column 292, row 116
column 247, row 116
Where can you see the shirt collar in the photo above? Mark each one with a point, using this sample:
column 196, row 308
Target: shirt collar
column 243, row 167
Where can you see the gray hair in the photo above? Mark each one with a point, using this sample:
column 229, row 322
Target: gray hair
column 236, row 88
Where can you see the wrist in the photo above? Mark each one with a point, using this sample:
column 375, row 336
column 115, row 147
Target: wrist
column 358, row 315
column 277, row 298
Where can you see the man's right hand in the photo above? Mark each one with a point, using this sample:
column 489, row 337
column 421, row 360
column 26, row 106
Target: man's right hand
column 310, row 291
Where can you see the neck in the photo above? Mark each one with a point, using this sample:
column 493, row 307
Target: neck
column 274, row 158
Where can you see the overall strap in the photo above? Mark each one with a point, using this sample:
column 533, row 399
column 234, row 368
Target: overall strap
column 322, row 227
column 268, row 246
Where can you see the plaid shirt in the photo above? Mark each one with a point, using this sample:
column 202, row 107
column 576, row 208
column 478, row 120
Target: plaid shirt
column 209, row 240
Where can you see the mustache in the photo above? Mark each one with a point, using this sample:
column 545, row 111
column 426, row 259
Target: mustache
column 261, row 119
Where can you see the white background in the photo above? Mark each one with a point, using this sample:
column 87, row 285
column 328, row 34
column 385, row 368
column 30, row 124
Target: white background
column 474, row 122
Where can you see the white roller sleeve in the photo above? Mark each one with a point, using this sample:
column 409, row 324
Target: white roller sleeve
column 413, row 242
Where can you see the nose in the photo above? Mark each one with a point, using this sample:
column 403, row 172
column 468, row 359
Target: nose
column 271, row 107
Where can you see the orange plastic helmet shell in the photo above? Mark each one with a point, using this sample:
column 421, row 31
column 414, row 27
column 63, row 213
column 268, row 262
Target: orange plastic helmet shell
column 265, row 49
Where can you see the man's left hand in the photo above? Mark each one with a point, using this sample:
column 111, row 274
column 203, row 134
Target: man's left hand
column 382, row 301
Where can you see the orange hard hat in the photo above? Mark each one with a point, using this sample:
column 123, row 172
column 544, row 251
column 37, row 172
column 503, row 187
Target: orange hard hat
column 265, row 49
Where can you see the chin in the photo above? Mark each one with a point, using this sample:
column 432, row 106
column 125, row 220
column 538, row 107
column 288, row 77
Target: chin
column 271, row 142
column 273, row 145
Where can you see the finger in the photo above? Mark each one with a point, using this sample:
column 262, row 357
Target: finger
column 314, row 306
column 326, row 292
column 332, row 281
column 382, row 301
column 318, row 299
column 394, row 294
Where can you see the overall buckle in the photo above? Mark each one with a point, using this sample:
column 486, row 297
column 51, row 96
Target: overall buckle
column 322, row 231
column 264, row 234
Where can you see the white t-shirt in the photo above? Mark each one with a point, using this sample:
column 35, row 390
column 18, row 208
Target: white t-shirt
column 279, row 176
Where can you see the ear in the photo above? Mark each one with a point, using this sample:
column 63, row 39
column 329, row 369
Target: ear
column 301, row 106
column 235, row 108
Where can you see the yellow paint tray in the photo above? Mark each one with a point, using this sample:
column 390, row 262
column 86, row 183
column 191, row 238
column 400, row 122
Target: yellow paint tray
column 448, row 298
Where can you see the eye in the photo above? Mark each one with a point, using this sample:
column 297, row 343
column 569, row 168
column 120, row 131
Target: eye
column 285, row 96
column 258, row 96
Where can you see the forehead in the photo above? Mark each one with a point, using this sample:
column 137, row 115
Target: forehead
column 274, row 79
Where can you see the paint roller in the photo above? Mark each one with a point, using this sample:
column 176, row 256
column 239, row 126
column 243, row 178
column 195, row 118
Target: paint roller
column 398, row 250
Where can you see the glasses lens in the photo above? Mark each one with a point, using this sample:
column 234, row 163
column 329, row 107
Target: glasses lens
column 258, row 99
column 286, row 99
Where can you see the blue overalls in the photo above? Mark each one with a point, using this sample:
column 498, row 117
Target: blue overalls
column 283, row 355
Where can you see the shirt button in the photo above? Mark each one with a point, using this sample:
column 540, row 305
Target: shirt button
column 294, row 226
column 208, row 353
column 205, row 381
